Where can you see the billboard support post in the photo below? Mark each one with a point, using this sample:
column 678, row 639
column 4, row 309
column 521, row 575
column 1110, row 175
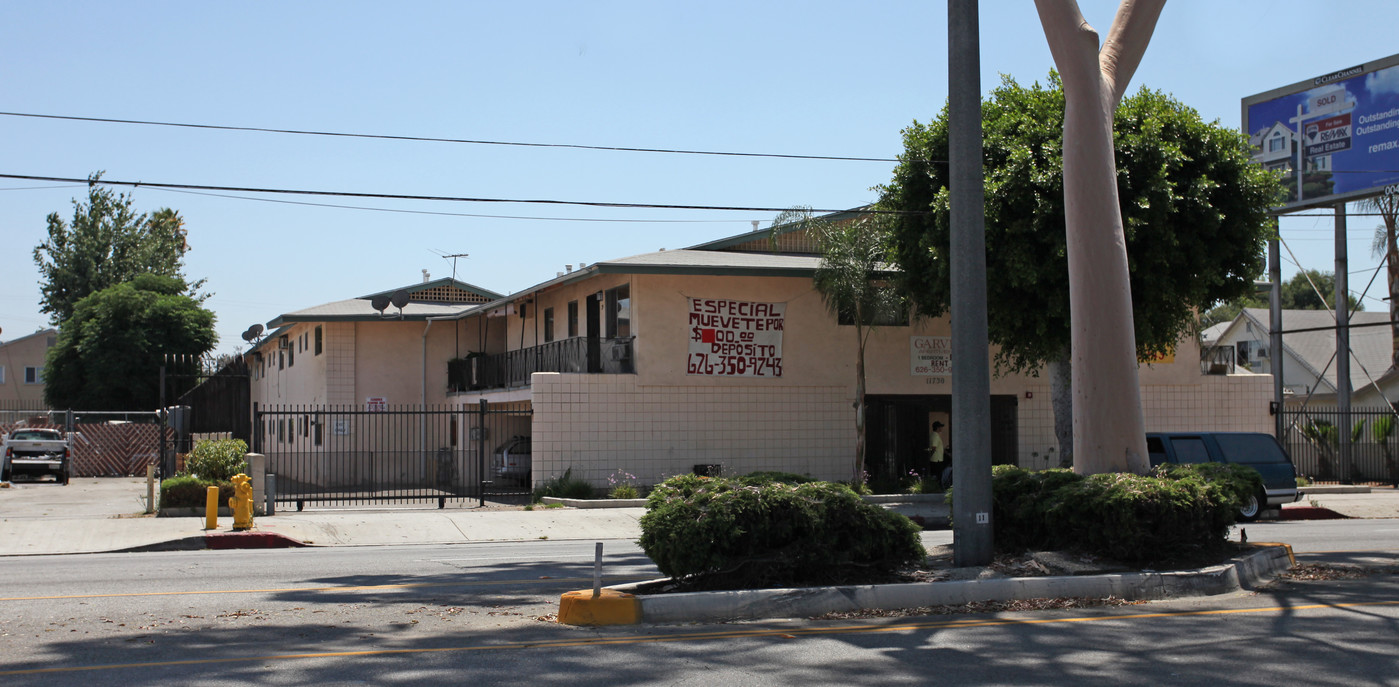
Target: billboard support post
column 1341, row 296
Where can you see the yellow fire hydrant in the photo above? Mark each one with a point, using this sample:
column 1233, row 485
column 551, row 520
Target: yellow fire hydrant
column 242, row 502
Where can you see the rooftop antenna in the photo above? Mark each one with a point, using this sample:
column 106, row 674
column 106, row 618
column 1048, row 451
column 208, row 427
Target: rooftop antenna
column 453, row 257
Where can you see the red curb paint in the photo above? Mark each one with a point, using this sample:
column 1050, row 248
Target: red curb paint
column 1309, row 513
column 250, row 540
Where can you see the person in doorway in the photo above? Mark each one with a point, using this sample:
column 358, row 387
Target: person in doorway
column 935, row 447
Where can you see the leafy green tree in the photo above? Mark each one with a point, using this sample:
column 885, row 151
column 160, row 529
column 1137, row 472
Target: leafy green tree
column 109, row 352
column 1296, row 293
column 853, row 280
column 1194, row 210
column 106, row 243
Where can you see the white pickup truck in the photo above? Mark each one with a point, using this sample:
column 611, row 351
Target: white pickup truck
column 34, row 452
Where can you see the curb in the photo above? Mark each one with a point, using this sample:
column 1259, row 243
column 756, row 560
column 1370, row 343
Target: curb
column 1333, row 489
column 1246, row 572
column 1310, row 513
column 219, row 541
column 250, row 540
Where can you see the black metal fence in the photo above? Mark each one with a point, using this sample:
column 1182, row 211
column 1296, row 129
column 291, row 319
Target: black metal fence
column 1367, row 453
column 395, row 454
column 513, row 368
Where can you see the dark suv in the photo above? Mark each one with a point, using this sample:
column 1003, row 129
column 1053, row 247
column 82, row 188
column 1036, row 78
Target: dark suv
column 1259, row 451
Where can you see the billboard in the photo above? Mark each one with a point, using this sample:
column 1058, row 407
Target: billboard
column 1334, row 137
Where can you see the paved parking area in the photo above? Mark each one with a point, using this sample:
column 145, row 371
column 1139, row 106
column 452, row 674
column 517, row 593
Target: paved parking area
column 83, row 498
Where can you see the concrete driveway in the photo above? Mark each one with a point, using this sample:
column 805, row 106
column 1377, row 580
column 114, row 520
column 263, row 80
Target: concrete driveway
column 84, row 498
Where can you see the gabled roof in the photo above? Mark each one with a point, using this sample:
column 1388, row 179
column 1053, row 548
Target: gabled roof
column 1371, row 346
column 444, row 290
column 439, row 298
column 683, row 262
column 42, row 332
column 759, row 240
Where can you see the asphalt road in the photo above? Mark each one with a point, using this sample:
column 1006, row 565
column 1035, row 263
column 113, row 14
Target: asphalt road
column 481, row 613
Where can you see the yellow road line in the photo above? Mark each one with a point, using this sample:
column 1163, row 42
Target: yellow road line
column 697, row 636
column 367, row 587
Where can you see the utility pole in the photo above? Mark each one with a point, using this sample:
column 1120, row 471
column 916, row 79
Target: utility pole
column 972, row 541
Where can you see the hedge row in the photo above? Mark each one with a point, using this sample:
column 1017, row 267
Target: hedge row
column 1177, row 514
column 763, row 531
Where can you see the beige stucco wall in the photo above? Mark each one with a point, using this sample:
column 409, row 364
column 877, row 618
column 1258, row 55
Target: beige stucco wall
column 22, row 352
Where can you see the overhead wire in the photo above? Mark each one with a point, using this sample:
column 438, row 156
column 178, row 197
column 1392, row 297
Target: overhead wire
column 454, row 199
column 434, row 139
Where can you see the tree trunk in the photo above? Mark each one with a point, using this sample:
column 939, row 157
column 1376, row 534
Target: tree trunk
column 1062, row 399
column 1108, row 429
column 859, row 476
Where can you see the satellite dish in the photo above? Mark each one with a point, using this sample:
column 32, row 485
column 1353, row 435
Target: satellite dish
column 400, row 299
column 379, row 303
column 249, row 335
column 256, row 330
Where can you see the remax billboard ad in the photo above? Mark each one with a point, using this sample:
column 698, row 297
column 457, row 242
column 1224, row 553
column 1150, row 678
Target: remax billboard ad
column 1334, row 137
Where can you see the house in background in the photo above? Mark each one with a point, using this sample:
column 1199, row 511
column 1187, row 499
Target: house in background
column 1308, row 361
column 22, row 370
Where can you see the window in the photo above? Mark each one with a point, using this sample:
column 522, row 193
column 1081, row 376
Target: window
column 1276, row 143
column 291, row 355
column 548, row 325
column 317, row 427
column 33, row 375
column 888, row 318
column 2, row 374
column 318, row 339
column 619, row 312
column 572, row 319
column 1191, row 450
column 281, row 360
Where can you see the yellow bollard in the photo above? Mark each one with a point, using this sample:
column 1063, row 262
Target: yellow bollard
column 242, row 502
column 211, row 508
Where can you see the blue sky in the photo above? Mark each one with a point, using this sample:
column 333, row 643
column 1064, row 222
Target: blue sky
column 808, row 78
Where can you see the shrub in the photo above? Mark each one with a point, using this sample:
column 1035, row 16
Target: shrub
column 1178, row 515
column 770, row 476
column 217, row 459
column 565, row 486
column 752, row 535
column 187, row 491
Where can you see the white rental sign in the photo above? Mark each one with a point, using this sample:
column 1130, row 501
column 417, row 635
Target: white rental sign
column 931, row 356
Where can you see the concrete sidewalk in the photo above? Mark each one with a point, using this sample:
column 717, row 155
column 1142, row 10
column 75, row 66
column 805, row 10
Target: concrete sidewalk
column 106, row 514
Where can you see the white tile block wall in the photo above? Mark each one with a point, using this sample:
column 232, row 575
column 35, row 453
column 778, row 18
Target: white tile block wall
column 600, row 424
column 1232, row 403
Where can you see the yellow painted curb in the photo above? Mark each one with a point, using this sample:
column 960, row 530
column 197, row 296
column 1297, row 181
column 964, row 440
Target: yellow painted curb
column 611, row 607
column 1290, row 558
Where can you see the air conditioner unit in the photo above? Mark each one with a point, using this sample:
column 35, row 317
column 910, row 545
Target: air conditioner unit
column 1261, row 353
column 282, row 343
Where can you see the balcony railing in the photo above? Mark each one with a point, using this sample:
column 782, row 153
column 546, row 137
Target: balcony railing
column 513, row 368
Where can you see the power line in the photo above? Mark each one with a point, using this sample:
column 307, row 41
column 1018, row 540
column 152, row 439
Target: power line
column 454, row 199
column 403, row 211
column 431, row 139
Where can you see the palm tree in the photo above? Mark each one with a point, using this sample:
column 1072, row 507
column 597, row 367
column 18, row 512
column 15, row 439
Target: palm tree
column 853, row 282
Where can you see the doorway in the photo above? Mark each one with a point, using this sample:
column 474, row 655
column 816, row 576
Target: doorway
column 899, row 433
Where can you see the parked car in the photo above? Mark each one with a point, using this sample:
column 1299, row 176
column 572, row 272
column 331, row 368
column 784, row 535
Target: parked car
column 1259, row 451
column 35, row 452
column 512, row 460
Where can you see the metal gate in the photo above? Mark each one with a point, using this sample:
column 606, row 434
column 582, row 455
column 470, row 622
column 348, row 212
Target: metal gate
column 345, row 455
column 103, row 443
column 1313, row 437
